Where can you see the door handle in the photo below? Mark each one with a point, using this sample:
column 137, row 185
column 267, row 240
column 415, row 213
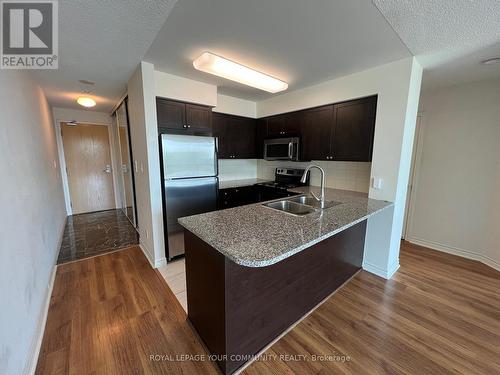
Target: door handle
column 290, row 150
column 107, row 169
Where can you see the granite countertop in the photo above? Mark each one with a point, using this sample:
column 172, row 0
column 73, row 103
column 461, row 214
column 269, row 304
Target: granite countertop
column 258, row 236
column 239, row 183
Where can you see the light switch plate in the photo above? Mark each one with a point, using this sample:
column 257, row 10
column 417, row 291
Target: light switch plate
column 376, row 183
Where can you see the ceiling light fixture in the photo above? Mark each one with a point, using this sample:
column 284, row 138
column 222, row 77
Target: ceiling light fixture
column 86, row 82
column 219, row 66
column 493, row 60
column 86, row 102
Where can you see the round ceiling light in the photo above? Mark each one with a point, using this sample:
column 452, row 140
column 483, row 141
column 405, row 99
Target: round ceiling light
column 86, row 102
column 493, row 60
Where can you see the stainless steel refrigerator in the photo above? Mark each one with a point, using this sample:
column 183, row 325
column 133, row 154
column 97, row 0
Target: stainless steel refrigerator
column 190, row 183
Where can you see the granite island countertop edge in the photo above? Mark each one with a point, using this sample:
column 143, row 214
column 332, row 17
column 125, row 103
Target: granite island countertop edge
column 284, row 254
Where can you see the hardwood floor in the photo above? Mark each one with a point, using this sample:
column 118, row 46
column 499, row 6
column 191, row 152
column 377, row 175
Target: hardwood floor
column 108, row 314
column 440, row 314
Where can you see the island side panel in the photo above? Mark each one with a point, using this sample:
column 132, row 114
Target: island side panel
column 205, row 285
column 263, row 302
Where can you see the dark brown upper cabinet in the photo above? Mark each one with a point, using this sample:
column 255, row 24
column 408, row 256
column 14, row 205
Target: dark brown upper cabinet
column 183, row 118
column 283, row 125
column 316, row 129
column 260, row 135
column 236, row 136
column 352, row 137
column 342, row 132
column 198, row 116
column 170, row 114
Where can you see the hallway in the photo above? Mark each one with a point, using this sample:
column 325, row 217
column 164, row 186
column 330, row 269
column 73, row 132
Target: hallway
column 96, row 233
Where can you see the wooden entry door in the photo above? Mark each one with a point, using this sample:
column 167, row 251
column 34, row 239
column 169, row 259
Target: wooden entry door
column 88, row 166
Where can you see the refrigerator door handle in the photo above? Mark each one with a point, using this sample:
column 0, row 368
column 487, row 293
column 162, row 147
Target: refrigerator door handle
column 216, row 152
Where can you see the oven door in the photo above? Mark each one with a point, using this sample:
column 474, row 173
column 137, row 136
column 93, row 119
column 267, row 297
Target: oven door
column 281, row 149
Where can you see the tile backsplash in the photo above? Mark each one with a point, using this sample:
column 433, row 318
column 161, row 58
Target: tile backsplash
column 238, row 169
column 338, row 174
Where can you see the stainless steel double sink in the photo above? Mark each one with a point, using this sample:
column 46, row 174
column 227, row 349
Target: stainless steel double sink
column 299, row 206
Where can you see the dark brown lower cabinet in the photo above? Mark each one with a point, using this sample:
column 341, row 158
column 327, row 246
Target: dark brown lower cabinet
column 234, row 197
column 238, row 310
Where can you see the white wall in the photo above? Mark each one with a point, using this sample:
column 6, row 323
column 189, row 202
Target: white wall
column 457, row 190
column 82, row 115
column 33, row 218
column 89, row 117
column 144, row 138
column 184, row 89
column 235, row 106
column 398, row 87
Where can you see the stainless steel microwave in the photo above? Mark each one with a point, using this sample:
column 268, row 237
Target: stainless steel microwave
column 281, row 149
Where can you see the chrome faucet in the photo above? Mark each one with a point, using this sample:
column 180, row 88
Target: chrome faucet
column 321, row 198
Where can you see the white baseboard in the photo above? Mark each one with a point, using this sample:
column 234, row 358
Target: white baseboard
column 42, row 320
column 160, row 262
column 455, row 251
column 155, row 263
column 384, row 273
column 40, row 329
column 147, row 254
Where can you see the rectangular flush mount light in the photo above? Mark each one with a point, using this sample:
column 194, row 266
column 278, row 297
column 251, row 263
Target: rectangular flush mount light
column 213, row 64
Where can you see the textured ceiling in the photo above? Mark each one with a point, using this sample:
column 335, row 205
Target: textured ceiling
column 101, row 41
column 300, row 42
column 449, row 37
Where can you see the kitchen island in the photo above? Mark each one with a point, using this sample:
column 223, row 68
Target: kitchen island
column 253, row 271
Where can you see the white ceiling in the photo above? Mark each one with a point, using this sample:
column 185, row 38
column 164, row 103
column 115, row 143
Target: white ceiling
column 103, row 42
column 449, row 37
column 300, row 42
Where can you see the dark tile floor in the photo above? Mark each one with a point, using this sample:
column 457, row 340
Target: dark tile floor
column 96, row 233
